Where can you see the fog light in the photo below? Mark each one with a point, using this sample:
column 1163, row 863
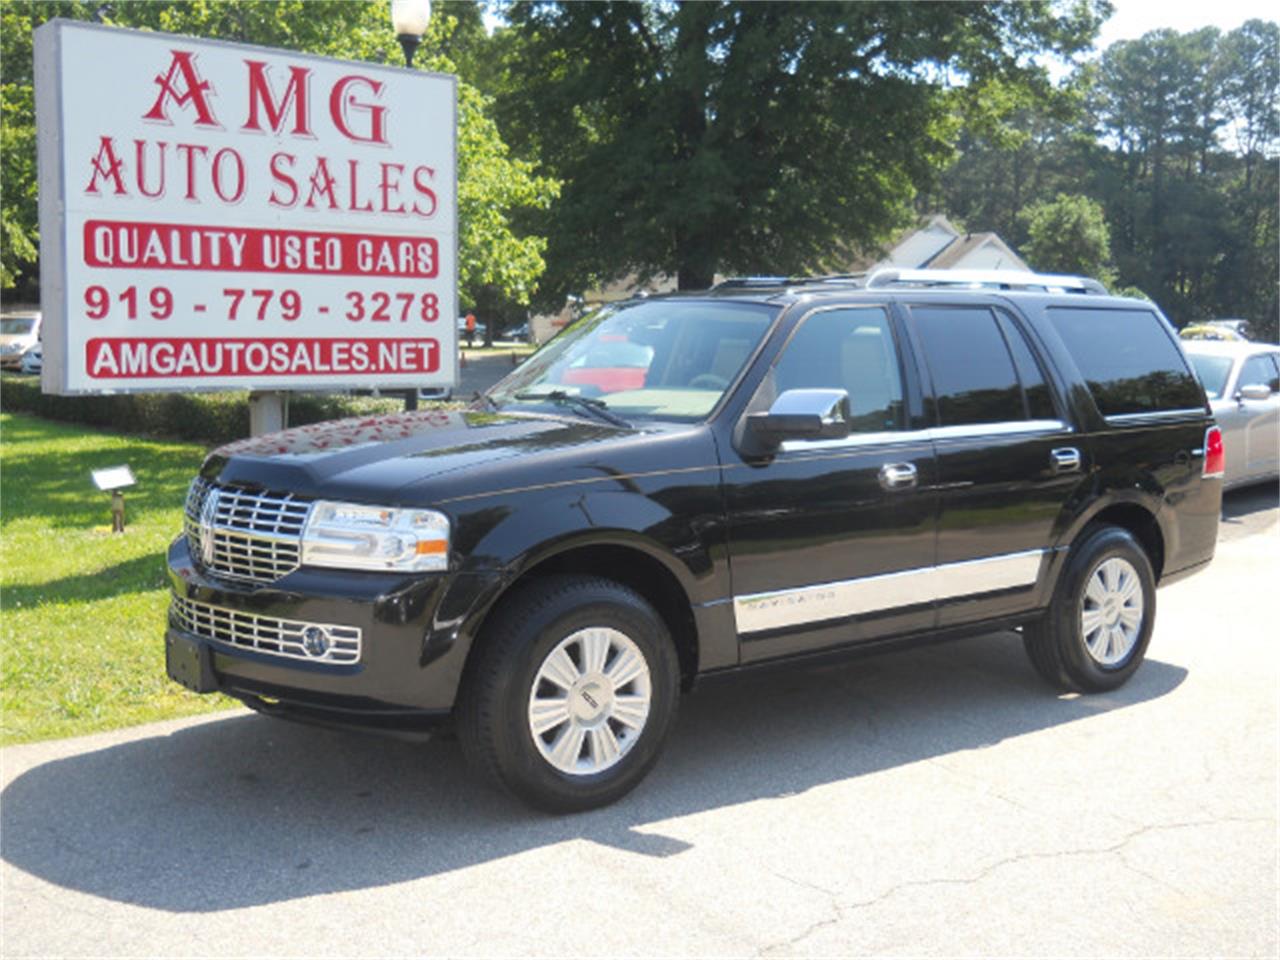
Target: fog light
column 315, row 641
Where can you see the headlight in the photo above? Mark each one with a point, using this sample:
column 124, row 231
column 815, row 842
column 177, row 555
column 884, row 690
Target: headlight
column 9, row 348
column 358, row 537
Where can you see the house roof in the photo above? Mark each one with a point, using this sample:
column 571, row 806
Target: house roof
column 890, row 253
column 934, row 242
column 960, row 248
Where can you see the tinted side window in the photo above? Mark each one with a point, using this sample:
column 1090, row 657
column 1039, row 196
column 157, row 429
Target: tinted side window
column 1039, row 400
column 973, row 375
column 852, row 350
column 1259, row 370
column 1128, row 359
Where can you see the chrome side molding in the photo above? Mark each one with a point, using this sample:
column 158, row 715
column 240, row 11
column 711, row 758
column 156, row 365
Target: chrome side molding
column 778, row 609
column 968, row 431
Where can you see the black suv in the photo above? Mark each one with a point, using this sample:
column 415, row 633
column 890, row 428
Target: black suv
column 693, row 484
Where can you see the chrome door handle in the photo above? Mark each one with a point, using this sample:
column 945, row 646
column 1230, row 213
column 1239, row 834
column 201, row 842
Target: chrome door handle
column 898, row 476
column 1065, row 459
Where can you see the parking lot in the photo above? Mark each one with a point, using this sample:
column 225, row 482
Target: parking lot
column 938, row 801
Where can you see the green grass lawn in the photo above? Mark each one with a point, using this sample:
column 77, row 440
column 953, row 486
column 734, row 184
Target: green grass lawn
column 82, row 610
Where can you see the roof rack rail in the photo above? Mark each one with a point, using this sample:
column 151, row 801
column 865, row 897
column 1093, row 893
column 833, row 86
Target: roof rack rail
column 836, row 278
column 779, row 281
column 762, row 281
column 999, row 279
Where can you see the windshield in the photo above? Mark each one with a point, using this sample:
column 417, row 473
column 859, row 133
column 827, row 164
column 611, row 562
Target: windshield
column 1212, row 372
column 17, row 326
column 659, row 359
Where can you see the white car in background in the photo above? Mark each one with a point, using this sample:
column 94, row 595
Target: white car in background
column 1242, row 381
column 19, row 333
column 33, row 360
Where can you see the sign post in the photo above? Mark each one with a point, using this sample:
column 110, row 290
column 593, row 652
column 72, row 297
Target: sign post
column 218, row 216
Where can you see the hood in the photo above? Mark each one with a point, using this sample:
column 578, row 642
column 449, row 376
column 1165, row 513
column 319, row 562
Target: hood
column 378, row 459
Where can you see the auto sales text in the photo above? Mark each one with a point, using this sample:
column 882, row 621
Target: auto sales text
column 180, row 246
column 201, row 173
column 186, row 357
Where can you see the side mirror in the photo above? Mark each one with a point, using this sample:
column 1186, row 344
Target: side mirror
column 1254, row 391
column 801, row 415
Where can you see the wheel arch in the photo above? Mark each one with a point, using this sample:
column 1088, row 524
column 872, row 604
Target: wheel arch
column 620, row 556
column 1144, row 526
column 1141, row 519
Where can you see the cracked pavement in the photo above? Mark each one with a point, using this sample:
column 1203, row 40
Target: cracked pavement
column 937, row 801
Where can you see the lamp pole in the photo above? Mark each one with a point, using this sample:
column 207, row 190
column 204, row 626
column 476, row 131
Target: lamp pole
column 409, row 19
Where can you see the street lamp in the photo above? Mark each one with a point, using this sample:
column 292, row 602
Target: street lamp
column 409, row 19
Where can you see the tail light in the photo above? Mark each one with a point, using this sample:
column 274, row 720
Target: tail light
column 1215, row 457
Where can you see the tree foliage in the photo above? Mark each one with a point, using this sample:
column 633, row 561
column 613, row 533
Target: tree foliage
column 693, row 138
column 494, row 187
column 753, row 137
column 1176, row 138
column 1069, row 234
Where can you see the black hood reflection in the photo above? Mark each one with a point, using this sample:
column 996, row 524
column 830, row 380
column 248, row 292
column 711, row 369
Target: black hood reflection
column 380, row 457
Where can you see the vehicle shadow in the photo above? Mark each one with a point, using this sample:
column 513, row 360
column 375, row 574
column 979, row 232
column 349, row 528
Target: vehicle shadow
column 1246, row 501
column 147, row 572
column 246, row 811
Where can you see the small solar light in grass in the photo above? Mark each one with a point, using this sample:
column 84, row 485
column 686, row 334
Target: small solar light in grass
column 113, row 480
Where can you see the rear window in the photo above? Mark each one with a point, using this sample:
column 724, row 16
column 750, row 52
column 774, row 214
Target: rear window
column 1212, row 371
column 1129, row 359
column 1039, row 401
column 973, row 375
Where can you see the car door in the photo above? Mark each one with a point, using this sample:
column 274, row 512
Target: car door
column 831, row 541
column 1259, row 419
column 1008, row 459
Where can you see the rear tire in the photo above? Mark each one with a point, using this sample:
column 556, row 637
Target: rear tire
column 1095, row 633
column 571, row 694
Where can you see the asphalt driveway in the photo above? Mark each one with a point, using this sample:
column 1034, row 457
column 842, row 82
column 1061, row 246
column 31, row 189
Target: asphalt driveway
column 937, row 801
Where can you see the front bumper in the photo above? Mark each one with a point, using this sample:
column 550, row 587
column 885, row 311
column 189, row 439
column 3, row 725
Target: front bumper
column 414, row 632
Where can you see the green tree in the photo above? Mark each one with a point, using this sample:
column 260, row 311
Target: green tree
column 1069, row 234
column 1189, row 123
column 729, row 136
column 1175, row 136
column 1040, row 150
column 494, row 188
column 1246, row 76
column 19, row 217
column 18, row 213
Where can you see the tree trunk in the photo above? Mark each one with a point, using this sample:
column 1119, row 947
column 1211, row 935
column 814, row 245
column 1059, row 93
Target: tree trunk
column 694, row 246
column 691, row 277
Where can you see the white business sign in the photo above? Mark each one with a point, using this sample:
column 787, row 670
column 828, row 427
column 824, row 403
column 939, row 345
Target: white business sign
column 214, row 215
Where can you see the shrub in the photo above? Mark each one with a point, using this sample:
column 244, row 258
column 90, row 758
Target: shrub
column 206, row 417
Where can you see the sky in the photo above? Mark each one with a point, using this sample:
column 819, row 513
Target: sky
column 1133, row 18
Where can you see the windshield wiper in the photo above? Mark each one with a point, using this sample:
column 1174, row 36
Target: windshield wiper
column 592, row 405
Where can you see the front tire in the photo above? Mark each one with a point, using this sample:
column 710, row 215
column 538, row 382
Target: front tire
column 571, row 694
column 1096, row 631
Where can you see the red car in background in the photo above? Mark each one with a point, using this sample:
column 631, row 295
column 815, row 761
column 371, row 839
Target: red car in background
column 616, row 364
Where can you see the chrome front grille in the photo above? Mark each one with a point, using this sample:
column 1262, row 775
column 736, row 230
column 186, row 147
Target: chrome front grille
column 315, row 642
column 245, row 534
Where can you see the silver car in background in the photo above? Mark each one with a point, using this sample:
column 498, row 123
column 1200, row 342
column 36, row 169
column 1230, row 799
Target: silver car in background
column 33, row 359
column 1242, row 381
column 19, row 332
